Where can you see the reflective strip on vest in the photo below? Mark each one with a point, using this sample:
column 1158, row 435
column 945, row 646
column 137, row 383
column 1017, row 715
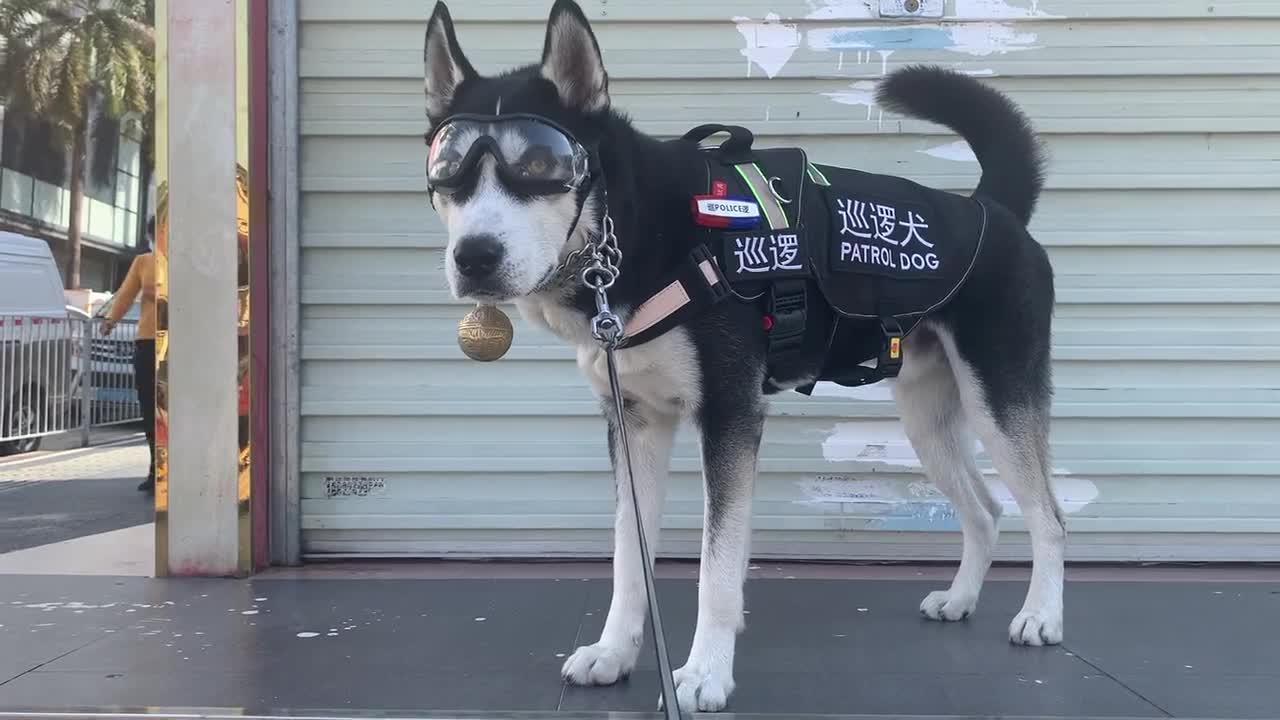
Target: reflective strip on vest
column 769, row 205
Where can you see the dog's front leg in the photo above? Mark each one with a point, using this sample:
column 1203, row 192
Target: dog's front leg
column 650, row 434
column 730, row 444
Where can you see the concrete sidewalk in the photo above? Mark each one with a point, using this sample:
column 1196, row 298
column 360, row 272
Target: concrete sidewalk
column 128, row 552
column 78, row 511
column 341, row 644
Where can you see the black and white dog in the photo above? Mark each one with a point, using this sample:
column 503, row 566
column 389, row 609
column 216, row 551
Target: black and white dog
column 513, row 170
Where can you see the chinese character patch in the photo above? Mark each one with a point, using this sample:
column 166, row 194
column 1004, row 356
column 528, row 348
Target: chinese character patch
column 891, row 239
column 764, row 254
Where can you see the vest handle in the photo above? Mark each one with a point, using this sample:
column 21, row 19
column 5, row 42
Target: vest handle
column 740, row 138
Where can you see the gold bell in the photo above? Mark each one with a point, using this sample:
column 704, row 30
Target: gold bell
column 485, row 333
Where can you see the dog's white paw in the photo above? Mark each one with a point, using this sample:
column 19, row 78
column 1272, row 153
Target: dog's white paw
column 1036, row 627
column 702, row 687
column 948, row 605
column 598, row 664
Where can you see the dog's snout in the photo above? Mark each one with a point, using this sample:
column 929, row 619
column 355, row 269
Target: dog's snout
column 478, row 255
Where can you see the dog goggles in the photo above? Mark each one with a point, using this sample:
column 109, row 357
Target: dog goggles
column 532, row 154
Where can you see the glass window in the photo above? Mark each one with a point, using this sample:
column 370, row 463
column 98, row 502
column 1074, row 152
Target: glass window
column 102, row 219
column 127, row 191
column 129, row 159
column 28, row 147
column 126, row 228
column 100, row 160
column 15, row 192
column 50, row 204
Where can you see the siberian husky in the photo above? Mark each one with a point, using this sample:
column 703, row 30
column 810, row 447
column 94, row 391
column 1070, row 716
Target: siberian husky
column 515, row 169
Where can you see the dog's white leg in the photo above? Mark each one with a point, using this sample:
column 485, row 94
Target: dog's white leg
column 933, row 417
column 1020, row 455
column 729, row 450
column 650, row 434
column 1018, row 444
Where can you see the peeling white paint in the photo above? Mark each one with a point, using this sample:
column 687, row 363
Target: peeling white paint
column 989, row 38
column 1073, row 493
column 958, row 151
column 927, row 502
column 881, row 441
column 770, row 44
column 862, row 92
column 884, row 443
column 855, row 490
column 884, row 61
column 979, row 39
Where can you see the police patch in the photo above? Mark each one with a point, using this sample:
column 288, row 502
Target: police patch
column 725, row 212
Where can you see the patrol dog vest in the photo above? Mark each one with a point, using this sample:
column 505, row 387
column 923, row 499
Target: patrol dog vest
column 844, row 263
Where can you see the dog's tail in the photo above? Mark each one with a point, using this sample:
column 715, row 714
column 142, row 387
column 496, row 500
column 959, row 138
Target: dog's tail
column 1001, row 136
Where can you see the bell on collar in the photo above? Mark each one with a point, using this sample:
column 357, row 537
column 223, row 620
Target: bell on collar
column 485, row 333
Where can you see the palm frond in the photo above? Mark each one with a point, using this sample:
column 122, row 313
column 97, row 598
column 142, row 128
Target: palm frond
column 57, row 55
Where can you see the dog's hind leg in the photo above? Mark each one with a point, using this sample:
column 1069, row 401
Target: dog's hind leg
column 730, row 439
column 650, row 434
column 1016, row 436
column 929, row 403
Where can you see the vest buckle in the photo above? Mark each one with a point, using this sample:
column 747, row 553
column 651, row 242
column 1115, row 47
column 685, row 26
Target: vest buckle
column 787, row 308
column 889, row 361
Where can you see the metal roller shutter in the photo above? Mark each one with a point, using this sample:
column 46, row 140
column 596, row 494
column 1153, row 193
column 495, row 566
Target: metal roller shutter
column 1161, row 216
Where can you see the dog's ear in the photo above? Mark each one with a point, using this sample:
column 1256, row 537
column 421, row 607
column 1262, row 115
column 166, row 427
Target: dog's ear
column 571, row 59
column 445, row 67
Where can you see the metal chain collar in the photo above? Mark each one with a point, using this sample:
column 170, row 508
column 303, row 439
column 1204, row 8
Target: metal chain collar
column 599, row 276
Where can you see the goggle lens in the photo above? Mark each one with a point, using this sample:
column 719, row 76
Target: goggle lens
column 529, row 153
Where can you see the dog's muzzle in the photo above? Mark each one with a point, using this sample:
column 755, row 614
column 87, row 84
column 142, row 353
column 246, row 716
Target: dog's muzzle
column 477, row 260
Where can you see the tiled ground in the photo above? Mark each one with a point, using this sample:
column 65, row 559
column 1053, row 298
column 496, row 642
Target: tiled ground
column 812, row 646
column 94, row 463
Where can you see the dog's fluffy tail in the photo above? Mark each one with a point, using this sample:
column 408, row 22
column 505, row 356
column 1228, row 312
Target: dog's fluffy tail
column 1001, row 136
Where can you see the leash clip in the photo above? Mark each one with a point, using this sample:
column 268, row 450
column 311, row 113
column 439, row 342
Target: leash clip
column 606, row 326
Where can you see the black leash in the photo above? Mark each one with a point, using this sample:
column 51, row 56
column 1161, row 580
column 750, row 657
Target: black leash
column 607, row 328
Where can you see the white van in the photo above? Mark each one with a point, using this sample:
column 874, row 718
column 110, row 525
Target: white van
column 36, row 341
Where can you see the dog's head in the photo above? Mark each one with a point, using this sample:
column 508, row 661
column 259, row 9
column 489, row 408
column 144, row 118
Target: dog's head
column 508, row 160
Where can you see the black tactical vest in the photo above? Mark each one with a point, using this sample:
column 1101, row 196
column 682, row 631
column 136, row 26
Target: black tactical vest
column 843, row 263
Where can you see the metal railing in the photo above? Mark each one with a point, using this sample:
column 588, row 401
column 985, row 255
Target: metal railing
column 59, row 374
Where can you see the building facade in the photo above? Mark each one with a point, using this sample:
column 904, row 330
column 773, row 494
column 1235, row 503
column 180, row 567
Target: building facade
column 35, row 197
column 1162, row 121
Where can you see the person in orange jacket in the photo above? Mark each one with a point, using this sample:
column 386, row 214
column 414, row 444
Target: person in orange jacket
column 141, row 281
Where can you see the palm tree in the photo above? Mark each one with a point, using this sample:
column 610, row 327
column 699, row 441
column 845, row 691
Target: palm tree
column 60, row 57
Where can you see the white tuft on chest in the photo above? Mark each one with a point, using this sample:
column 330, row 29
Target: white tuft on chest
column 662, row 373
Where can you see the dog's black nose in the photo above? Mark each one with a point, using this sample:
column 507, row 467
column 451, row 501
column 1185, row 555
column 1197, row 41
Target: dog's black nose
column 477, row 255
